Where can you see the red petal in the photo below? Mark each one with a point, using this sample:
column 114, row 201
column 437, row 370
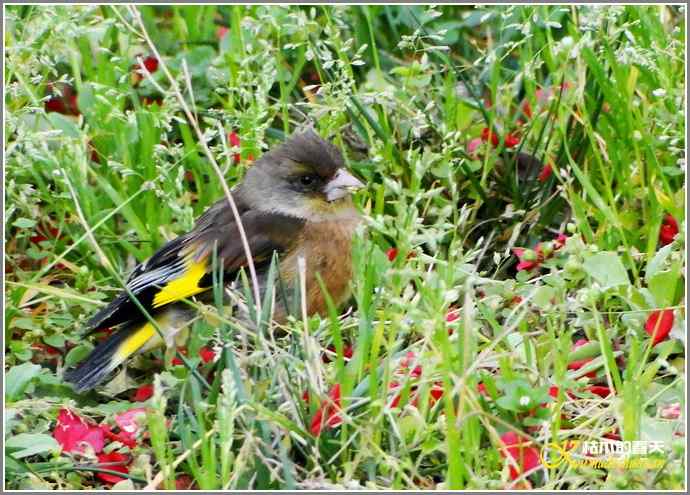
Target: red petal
column 145, row 392
column 392, row 253
column 234, row 140
column 668, row 231
column 72, row 432
column 473, row 145
column 488, row 135
column 527, row 109
column 659, row 325
column 452, row 315
column 131, row 423
column 151, row 64
column 671, row 411
column 576, row 365
column 511, row 140
column 560, row 241
column 107, row 459
column 518, row 448
column 176, row 361
column 600, row 390
column 330, row 409
column 435, row 393
column 221, row 32
column 207, row 354
column 545, row 173
column 183, row 482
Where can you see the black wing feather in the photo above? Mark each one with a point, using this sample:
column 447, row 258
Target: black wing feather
column 266, row 233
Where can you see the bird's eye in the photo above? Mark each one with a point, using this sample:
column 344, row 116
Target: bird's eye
column 307, row 180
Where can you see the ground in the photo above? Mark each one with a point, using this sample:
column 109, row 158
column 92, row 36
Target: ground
column 518, row 289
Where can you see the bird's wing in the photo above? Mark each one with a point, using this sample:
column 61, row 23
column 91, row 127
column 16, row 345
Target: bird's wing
column 182, row 267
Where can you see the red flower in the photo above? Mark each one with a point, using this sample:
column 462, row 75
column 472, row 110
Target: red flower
column 143, row 393
column 347, row 353
column 48, row 349
column 659, row 324
column 576, row 365
column 668, row 231
column 435, row 393
column 130, row 422
column 63, row 101
column 519, row 449
column 511, row 140
column 176, row 361
column 560, row 241
column 113, row 461
column 73, row 433
column 600, row 390
column 405, row 365
column 452, row 315
column 526, row 264
column 221, row 32
column 473, row 146
column 184, row 482
column 671, row 411
column 330, row 410
column 50, row 233
column 481, row 388
column 613, row 435
column 207, row 354
column 234, row 141
column 488, row 135
column 553, row 392
column 151, row 64
column 392, row 253
column 527, row 109
column 545, row 173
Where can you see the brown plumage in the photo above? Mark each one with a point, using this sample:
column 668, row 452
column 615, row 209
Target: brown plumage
column 293, row 202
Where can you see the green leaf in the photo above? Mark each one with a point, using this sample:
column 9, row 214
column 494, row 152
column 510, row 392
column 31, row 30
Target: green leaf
column 607, row 269
column 64, row 124
column 18, row 378
column 57, row 341
column 31, row 444
column 24, row 223
column 658, row 262
column 663, row 287
column 78, row 354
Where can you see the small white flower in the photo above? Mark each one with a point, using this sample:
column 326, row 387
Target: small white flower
column 659, row 92
column 524, row 400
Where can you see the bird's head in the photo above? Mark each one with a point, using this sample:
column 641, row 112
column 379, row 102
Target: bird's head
column 304, row 177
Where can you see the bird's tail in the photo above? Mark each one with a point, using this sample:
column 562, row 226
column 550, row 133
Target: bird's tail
column 109, row 354
column 127, row 341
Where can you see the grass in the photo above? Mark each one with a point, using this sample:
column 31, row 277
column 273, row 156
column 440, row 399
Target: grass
column 453, row 348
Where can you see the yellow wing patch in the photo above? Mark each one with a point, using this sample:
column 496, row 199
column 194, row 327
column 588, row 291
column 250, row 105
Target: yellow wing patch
column 134, row 343
column 185, row 286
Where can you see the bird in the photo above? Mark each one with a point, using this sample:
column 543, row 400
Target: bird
column 294, row 202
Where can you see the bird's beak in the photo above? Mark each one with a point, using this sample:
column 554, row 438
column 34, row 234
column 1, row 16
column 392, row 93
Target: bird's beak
column 342, row 184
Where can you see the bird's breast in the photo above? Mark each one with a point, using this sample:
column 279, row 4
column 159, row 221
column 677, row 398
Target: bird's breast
column 326, row 247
